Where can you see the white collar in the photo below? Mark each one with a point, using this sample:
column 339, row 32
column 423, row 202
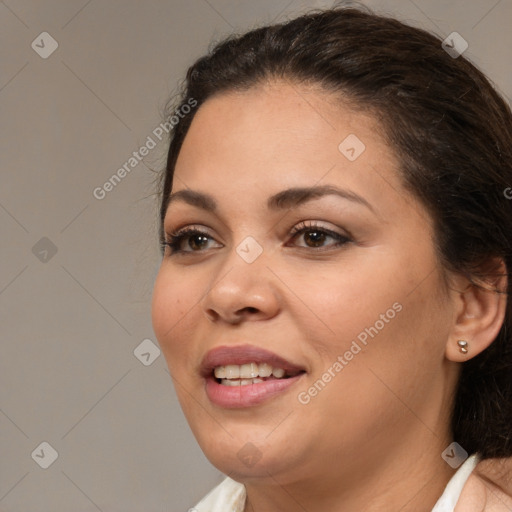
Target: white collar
column 453, row 489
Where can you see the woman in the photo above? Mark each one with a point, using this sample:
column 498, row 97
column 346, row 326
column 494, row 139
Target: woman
column 332, row 299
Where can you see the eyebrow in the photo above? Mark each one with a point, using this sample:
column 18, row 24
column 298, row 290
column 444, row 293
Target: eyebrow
column 286, row 199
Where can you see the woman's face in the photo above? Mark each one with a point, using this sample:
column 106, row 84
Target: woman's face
column 350, row 304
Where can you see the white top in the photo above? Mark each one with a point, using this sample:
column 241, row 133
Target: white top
column 229, row 496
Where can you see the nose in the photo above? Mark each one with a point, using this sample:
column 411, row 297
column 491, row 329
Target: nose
column 242, row 291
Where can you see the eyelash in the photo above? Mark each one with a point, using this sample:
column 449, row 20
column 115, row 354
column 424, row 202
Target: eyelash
column 175, row 239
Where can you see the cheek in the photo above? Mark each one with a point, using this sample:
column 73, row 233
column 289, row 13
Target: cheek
column 343, row 303
column 397, row 364
column 402, row 359
column 386, row 316
column 171, row 306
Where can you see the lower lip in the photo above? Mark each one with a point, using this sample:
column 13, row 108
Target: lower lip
column 246, row 396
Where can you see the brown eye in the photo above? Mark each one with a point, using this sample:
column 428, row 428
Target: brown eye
column 315, row 236
column 197, row 241
column 193, row 238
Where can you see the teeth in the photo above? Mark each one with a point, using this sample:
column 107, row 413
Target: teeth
column 240, row 382
column 228, row 382
column 232, row 371
column 220, row 372
column 249, row 371
column 232, row 374
column 278, row 373
column 265, row 370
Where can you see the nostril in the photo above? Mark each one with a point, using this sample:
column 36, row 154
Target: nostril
column 212, row 315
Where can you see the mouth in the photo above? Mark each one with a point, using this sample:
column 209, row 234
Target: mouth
column 245, row 376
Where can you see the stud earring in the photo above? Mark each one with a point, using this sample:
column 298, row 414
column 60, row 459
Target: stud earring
column 463, row 345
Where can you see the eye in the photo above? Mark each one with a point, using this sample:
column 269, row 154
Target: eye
column 191, row 239
column 316, row 235
column 196, row 238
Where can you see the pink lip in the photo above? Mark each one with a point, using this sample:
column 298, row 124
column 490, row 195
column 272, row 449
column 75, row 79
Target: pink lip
column 252, row 394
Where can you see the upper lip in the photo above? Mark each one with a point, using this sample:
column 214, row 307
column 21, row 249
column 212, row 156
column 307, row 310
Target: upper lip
column 243, row 354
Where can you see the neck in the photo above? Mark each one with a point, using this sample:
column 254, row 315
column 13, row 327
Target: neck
column 409, row 480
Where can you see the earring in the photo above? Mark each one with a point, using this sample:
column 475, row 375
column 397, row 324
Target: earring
column 463, row 345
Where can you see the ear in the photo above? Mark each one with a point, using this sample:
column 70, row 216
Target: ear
column 479, row 312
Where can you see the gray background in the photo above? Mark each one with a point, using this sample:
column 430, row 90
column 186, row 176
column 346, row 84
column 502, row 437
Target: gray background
column 70, row 321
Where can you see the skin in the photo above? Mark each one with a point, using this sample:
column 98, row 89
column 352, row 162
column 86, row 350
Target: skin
column 372, row 438
column 488, row 488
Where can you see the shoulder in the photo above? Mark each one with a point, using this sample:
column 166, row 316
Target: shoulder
column 488, row 488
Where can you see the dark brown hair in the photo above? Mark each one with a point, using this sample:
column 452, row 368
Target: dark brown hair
column 451, row 131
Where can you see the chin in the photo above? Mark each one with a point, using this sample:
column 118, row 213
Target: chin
column 250, row 462
column 245, row 454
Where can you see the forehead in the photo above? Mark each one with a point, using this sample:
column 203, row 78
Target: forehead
column 276, row 122
column 280, row 135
